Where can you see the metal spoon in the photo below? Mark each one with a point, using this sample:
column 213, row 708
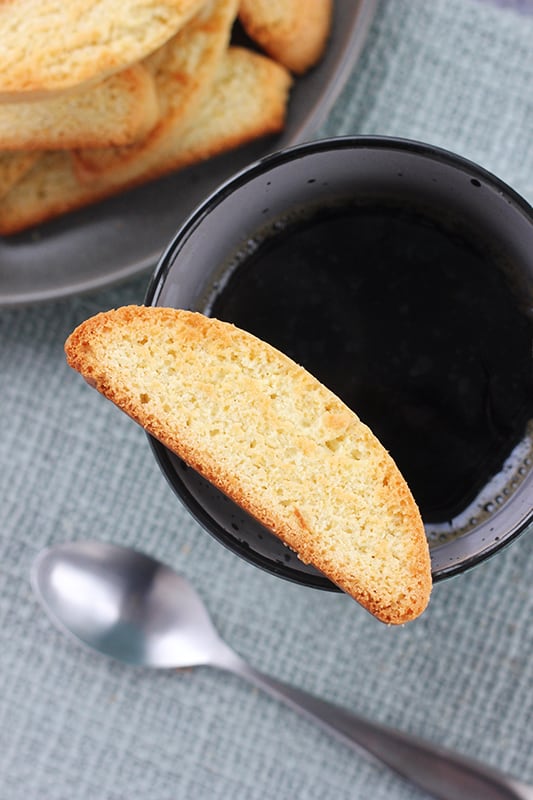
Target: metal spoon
column 130, row 607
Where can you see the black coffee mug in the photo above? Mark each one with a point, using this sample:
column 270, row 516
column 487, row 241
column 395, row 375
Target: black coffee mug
column 365, row 257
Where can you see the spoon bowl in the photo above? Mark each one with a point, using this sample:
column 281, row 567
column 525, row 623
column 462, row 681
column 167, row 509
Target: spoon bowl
column 124, row 604
column 130, row 607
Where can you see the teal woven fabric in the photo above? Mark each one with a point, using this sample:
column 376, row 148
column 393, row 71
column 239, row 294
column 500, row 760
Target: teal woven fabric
column 74, row 726
column 450, row 74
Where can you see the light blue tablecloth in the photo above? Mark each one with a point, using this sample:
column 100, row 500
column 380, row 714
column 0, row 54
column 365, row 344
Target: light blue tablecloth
column 73, row 726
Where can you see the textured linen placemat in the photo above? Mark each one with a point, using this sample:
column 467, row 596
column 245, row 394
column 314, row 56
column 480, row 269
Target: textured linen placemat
column 74, row 726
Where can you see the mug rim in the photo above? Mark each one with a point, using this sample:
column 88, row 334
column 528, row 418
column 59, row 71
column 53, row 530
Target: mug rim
column 280, row 157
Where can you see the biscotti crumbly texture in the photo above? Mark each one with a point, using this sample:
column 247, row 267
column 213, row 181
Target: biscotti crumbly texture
column 274, row 439
column 248, row 99
column 116, row 111
column 293, row 32
column 112, row 95
column 183, row 71
column 12, row 167
column 53, row 45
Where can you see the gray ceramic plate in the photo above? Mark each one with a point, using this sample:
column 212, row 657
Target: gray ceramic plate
column 126, row 235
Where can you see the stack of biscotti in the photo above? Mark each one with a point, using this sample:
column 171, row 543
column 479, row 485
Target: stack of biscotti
column 99, row 97
column 273, row 438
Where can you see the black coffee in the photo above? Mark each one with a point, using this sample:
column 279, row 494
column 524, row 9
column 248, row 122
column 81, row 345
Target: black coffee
column 411, row 326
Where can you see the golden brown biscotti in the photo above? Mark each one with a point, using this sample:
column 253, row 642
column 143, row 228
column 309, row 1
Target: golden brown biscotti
column 293, row 32
column 12, row 167
column 274, row 439
column 116, row 111
column 248, row 99
column 183, row 71
column 50, row 45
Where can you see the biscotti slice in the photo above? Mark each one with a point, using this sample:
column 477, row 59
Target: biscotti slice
column 48, row 189
column 293, row 32
column 248, row 99
column 50, row 46
column 116, row 111
column 183, row 72
column 12, row 167
column 274, row 439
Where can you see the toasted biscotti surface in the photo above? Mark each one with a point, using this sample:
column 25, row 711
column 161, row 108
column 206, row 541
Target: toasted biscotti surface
column 248, row 99
column 51, row 46
column 294, row 32
column 12, row 167
column 183, row 71
column 116, row 111
column 273, row 438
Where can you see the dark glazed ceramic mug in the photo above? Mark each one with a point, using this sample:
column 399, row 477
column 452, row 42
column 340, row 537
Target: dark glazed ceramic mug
column 401, row 275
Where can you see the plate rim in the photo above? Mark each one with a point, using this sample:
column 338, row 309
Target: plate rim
column 360, row 23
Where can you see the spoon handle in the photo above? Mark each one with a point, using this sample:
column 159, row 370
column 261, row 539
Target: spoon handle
column 443, row 774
